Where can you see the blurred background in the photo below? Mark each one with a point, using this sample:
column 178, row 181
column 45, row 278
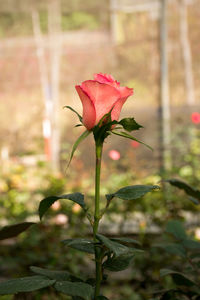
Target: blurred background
column 46, row 48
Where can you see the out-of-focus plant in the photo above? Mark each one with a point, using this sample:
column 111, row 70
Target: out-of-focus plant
column 185, row 282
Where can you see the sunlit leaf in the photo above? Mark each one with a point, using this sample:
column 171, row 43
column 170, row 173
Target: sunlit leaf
column 132, row 192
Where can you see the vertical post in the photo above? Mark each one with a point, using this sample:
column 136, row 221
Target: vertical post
column 44, row 82
column 54, row 27
column 164, row 90
column 114, row 21
column 186, row 52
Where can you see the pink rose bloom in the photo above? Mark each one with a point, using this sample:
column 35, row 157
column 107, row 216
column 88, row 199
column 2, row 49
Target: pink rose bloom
column 114, row 154
column 99, row 96
column 195, row 117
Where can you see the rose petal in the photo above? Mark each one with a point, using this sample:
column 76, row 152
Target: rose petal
column 89, row 114
column 105, row 78
column 126, row 92
column 103, row 96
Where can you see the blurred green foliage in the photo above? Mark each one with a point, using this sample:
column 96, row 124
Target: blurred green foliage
column 89, row 16
column 22, row 188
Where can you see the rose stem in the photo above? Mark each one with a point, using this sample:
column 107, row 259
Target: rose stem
column 98, row 258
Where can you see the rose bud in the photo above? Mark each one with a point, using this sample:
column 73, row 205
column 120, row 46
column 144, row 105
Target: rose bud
column 100, row 96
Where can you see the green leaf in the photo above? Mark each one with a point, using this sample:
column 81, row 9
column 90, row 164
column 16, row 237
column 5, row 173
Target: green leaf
column 191, row 191
column 128, row 136
column 130, row 124
column 25, row 284
column 132, row 192
column 79, row 289
column 191, row 244
column 176, row 228
column 125, row 240
column 79, row 116
column 14, row 230
column 119, row 263
column 117, row 248
column 102, row 298
column 46, row 203
column 78, row 141
column 54, row 274
column 84, row 245
column 179, row 278
column 173, row 248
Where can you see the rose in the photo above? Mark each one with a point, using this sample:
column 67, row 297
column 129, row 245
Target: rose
column 100, row 96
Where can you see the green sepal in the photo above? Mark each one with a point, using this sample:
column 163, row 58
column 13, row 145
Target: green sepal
column 77, row 289
column 189, row 190
column 84, row 245
column 78, row 141
column 128, row 136
column 130, row 124
column 79, row 116
column 24, row 284
column 132, row 192
column 102, row 130
column 11, row 231
column 46, row 203
column 179, row 279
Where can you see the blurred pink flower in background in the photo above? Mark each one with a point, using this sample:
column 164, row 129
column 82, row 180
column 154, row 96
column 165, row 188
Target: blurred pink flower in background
column 76, row 208
column 135, row 144
column 195, row 117
column 56, row 205
column 61, row 219
column 114, row 154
